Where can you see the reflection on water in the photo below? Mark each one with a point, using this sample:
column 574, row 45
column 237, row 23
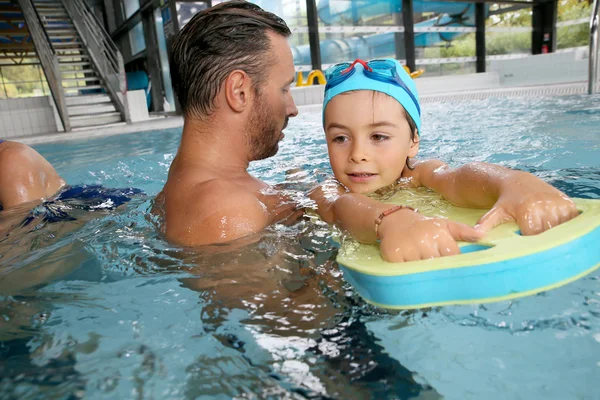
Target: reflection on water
column 276, row 306
column 102, row 307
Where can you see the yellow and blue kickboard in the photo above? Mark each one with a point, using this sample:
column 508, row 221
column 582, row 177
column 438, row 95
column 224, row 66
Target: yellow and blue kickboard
column 504, row 265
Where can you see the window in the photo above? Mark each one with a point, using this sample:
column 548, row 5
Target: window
column 130, row 7
column 136, row 39
column 22, row 81
column 185, row 11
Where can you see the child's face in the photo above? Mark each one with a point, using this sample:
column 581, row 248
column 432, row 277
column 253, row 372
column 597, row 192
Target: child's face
column 368, row 138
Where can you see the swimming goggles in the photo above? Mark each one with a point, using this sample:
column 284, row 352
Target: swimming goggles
column 379, row 70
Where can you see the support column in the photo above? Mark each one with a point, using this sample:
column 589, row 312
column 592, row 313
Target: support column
column 171, row 28
column 354, row 12
column 110, row 14
column 399, row 37
column 313, row 34
column 480, row 36
column 409, row 34
column 543, row 21
column 153, row 60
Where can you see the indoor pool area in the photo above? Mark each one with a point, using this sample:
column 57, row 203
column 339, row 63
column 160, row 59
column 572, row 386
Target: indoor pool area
column 176, row 224
column 100, row 306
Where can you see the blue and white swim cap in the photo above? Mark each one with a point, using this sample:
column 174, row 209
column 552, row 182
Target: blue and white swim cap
column 384, row 75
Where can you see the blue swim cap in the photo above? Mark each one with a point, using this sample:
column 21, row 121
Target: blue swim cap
column 359, row 81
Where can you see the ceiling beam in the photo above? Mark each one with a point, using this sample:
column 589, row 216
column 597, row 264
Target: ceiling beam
column 14, row 32
column 9, row 9
column 16, row 47
column 16, row 18
column 514, row 2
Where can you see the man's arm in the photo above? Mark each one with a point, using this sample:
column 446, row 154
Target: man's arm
column 216, row 212
column 513, row 195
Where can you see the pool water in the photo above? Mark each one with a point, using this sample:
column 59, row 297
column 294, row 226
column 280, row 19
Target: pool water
column 104, row 308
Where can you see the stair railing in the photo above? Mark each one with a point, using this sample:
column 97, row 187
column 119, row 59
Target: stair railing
column 48, row 59
column 593, row 57
column 102, row 51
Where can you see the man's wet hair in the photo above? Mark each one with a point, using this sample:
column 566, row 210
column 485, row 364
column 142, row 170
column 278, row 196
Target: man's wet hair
column 215, row 42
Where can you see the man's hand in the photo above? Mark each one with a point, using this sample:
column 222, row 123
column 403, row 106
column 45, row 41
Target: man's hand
column 532, row 203
column 409, row 236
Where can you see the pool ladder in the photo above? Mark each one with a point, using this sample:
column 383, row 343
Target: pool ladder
column 593, row 84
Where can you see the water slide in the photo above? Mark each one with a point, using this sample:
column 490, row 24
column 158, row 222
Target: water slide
column 368, row 46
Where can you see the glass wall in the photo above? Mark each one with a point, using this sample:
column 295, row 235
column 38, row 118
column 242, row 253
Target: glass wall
column 293, row 12
column 136, row 39
column 444, row 31
column 508, row 31
column 573, row 26
column 368, row 29
column 445, row 38
column 164, row 57
column 22, row 81
column 185, row 11
column 350, row 29
column 130, row 7
column 359, row 29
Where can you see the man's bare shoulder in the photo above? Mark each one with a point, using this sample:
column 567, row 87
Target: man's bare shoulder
column 15, row 151
column 25, row 175
column 195, row 193
column 213, row 211
column 19, row 156
column 221, row 193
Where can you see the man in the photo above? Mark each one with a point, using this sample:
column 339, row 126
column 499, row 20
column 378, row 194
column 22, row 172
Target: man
column 25, row 176
column 231, row 68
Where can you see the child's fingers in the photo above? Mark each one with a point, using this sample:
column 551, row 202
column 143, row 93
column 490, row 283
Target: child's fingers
column 408, row 252
column 412, row 254
column 552, row 219
column 567, row 212
column 531, row 224
column 464, row 232
column 448, row 248
column 492, row 218
column 574, row 212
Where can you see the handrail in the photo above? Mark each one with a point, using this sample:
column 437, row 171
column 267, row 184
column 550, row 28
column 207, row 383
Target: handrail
column 100, row 36
column 102, row 51
column 48, row 59
column 99, row 25
column 37, row 14
column 593, row 57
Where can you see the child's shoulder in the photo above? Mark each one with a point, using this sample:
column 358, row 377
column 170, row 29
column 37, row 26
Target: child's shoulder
column 416, row 172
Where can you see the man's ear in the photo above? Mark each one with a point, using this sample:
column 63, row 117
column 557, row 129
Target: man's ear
column 414, row 146
column 237, row 90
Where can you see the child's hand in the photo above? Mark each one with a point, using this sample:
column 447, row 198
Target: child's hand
column 409, row 236
column 533, row 204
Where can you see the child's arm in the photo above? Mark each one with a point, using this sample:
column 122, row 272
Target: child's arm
column 404, row 235
column 513, row 195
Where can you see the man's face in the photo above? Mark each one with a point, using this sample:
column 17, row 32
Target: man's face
column 273, row 105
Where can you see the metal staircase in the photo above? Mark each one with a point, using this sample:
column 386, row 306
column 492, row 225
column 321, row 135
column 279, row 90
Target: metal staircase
column 83, row 67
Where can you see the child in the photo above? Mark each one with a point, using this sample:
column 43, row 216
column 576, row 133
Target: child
column 372, row 121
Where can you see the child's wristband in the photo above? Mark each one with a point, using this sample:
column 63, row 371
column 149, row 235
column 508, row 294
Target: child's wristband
column 387, row 212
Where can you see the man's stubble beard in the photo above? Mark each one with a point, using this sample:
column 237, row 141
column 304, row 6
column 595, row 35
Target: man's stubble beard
column 263, row 131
